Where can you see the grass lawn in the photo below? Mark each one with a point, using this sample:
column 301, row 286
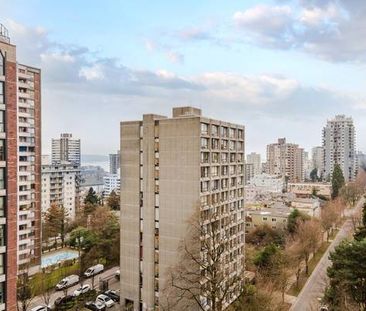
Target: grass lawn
column 40, row 281
column 294, row 290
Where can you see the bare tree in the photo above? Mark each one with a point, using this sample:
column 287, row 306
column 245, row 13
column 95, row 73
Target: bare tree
column 201, row 279
column 25, row 290
column 46, row 285
column 308, row 237
column 351, row 193
column 329, row 217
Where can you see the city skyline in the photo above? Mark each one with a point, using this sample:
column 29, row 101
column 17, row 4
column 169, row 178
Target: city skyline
column 281, row 78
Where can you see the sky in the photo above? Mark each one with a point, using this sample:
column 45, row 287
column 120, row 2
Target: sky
column 281, row 67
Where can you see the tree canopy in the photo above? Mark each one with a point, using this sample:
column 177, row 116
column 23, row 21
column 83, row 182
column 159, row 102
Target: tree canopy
column 337, row 180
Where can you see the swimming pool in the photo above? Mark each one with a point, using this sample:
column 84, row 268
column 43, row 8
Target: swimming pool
column 58, row 257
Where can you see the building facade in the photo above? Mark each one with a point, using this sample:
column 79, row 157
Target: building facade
column 339, row 145
column 111, row 182
column 114, row 162
column 255, row 159
column 249, row 172
column 170, row 168
column 285, row 160
column 66, row 149
column 29, row 166
column 20, row 141
column 317, row 157
column 61, row 186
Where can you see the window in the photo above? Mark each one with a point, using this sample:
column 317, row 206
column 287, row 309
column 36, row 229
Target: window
column 2, row 268
column 1, row 92
column 2, row 120
column 2, row 64
column 2, row 178
column 2, row 150
column 2, row 235
column 204, row 128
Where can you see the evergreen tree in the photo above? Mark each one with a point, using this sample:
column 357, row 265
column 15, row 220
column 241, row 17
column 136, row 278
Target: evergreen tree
column 56, row 222
column 337, row 181
column 91, row 197
column 314, row 175
column 347, row 276
column 113, row 201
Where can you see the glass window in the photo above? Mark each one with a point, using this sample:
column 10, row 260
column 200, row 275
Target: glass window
column 2, row 150
column 2, row 268
column 2, row 121
column 2, row 65
column 2, row 235
column 2, row 91
column 2, row 290
column 2, row 178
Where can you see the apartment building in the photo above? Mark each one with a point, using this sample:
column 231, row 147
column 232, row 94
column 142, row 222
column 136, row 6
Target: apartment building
column 317, row 157
column 276, row 218
column 61, row 186
column 111, row 182
column 255, row 159
column 114, row 162
column 29, row 166
column 285, row 160
column 339, row 145
column 66, row 149
column 248, row 172
column 170, row 168
column 20, row 141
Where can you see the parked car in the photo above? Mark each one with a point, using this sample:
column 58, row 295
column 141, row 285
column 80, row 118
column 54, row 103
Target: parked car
column 94, row 270
column 62, row 301
column 41, row 308
column 95, row 306
column 117, row 274
column 106, row 300
column 82, row 290
column 112, row 294
column 67, row 282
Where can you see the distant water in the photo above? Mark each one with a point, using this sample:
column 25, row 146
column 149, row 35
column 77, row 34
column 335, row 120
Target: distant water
column 95, row 160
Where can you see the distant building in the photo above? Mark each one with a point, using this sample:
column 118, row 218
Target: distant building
column 114, row 164
column 255, row 159
column 308, row 206
column 61, row 186
column 111, row 182
column 66, row 149
column 172, row 167
column 249, row 172
column 306, row 190
column 261, row 185
column 361, row 161
column 317, row 157
column 339, row 145
column 275, row 218
column 285, row 160
column 91, row 176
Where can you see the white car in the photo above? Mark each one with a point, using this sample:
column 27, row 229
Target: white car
column 40, row 308
column 82, row 290
column 106, row 300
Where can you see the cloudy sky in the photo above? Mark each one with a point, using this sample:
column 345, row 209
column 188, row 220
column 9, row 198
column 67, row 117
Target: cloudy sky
column 280, row 67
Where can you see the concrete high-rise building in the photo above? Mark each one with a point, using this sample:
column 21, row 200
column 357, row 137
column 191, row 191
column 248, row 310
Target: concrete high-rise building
column 170, row 167
column 285, row 160
column 317, row 157
column 29, row 166
column 255, row 159
column 249, row 172
column 20, row 143
column 339, row 145
column 66, row 149
column 114, row 159
column 61, row 186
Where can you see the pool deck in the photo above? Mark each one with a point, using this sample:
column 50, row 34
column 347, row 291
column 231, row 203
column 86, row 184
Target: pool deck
column 60, row 255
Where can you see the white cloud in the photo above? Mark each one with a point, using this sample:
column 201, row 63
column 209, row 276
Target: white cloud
column 94, row 72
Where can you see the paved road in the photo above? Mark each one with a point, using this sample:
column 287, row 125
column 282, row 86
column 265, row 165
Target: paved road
column 108, row 274
column 315, row 285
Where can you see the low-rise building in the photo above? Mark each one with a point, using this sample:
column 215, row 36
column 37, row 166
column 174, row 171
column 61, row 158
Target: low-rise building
column 307, row 206
column 275, row 218
column 307, row 190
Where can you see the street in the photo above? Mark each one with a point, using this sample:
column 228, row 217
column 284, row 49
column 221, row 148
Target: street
column 108, row 274
column 314, row 288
